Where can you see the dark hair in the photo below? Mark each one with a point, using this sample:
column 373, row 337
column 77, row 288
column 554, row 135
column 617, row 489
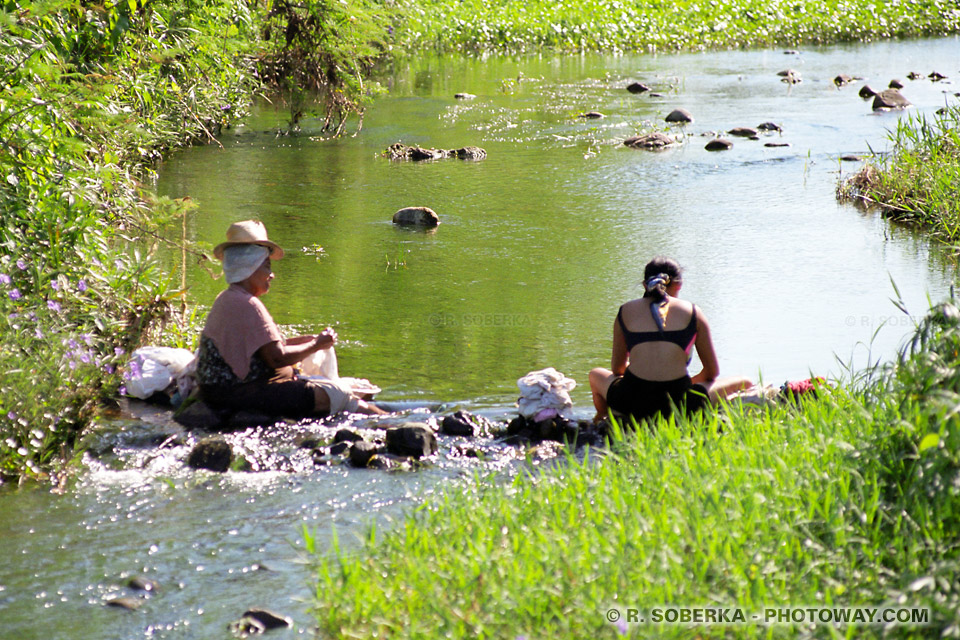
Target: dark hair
column 658, row 273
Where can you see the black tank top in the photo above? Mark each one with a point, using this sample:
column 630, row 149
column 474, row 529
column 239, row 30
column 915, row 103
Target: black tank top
column 683, row 338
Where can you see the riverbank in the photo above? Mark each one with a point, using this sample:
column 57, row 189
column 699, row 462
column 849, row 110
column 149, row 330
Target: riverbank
column 919, row 181
column 632, row 25
column 847, row 500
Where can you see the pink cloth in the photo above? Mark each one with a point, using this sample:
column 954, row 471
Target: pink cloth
column 239, row 324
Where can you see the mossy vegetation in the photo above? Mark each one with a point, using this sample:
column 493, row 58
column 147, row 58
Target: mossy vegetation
column 842, row 501
column 919, row 181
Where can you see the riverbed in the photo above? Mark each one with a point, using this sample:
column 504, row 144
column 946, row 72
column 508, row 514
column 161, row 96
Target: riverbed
column 540, row 242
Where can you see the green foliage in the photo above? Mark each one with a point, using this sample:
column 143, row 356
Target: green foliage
column 850, row 499
column 322, row 48
column 90, row 95
column 920, row 180
column 645, row 25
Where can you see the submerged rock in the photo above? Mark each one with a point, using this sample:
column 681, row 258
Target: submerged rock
column 414, row 439
column 719, row 144
column 139, row 583
column 889, row 99
column 596, row 115
column 637, row 87
column 777, row 144
column 655, row 140
column 211, row 453
column 416, row 216
column 268, row 619
column 679, row 116
column 743, row 132
column 851, row 158
column 130, row 604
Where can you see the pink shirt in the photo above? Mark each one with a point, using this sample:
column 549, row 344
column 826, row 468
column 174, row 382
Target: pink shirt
column 239, row 324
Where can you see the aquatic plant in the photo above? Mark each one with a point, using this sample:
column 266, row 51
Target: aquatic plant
column 611, row 25
column 849, row 499
column 920, row 180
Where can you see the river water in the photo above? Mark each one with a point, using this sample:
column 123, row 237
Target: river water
column 539, row 244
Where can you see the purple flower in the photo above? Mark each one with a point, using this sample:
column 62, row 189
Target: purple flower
column 73, row 343
column 38, row 333
column 55, row 285
column 21, row 265
column 87, row 338
column 4, row 278
column 118, row 351
column 13, row 315
column 85, row 357
column 82, row 285
column 622, row 627
column 55, row 306
column 122, row 390
column 11, row 416
column 135, row 370
column 109, row 369
column 73, row 365
column 15, row 294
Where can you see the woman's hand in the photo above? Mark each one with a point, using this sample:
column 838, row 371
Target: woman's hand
column 326, row 339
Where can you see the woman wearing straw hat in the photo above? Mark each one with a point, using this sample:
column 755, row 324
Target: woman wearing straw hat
column 245, row 363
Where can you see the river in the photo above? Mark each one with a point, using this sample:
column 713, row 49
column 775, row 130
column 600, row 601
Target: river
column 539, row 244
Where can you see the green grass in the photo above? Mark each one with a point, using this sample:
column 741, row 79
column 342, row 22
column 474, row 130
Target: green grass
column 920, row 180
column 655, row 25
column 847, row 500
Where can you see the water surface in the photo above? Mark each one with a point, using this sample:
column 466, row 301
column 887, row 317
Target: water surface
column 540, row 243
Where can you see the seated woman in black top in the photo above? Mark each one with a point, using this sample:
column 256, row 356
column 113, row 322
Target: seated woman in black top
column 652, row 340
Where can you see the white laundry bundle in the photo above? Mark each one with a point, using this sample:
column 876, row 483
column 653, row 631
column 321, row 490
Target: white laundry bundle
column 153, row 369
column 323, row 364
column 545, row 394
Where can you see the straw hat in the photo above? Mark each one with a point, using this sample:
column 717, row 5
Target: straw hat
column 248, row 232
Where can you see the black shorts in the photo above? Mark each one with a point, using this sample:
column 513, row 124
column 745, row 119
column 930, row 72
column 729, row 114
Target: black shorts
column 643, row 399
column 282, row 395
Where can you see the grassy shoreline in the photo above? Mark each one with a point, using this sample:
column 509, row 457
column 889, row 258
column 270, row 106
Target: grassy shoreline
column 919, row 182
column 643, row 25
column 848, row 500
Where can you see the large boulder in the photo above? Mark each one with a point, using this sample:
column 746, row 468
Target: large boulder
column 889, row 99
column 417, row 217
column 211, row 453
column 414, row 439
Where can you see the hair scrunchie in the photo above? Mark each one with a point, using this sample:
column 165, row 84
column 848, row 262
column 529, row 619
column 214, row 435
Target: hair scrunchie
column 656, row 286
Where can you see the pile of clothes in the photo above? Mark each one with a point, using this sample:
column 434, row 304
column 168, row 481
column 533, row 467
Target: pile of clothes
column 545, row 394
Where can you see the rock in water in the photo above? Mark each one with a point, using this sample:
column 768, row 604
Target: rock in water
column 361, row 452
column 417, row 216
column 655, row 140
column 345, row 435
column 842, row 80
column 412, row 439
column 895, row 84
column 268, row 619
column 866, row 91
column 679, row 116
column 769, row 126
column 743, row 132
column 470, row 153
column 211, row 453
column 889, row 99
column 139, row 583
column 458, row 424
column 719, row 144
column 464, row 96
column 637, row 87
column 130, row 604
column 596, row 115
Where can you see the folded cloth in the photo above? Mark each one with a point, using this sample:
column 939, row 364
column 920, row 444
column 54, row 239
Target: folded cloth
column 322, row 365
column 544, row 389
column 340, row 394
